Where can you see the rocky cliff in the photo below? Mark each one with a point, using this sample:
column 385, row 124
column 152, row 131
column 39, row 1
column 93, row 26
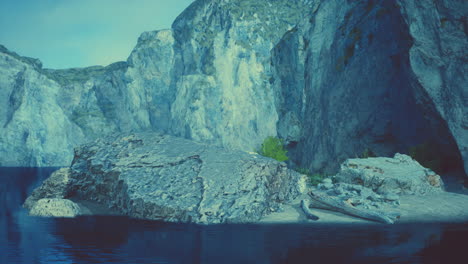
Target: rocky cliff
column 379, row 75
column 206, row 79
column 331, row 77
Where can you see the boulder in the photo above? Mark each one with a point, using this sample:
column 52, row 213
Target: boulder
column 357, row 195
column 400, row 174
column 159, row 177
column 56, row 186
column 55, row 207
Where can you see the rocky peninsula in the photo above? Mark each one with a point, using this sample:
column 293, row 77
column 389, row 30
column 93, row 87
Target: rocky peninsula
column 160, row 177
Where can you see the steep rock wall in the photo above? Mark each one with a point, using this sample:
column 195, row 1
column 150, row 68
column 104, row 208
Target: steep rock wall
column 207, row 79
column 34, row 129
column 350, row 70
column 223, row 81
column 439, row 60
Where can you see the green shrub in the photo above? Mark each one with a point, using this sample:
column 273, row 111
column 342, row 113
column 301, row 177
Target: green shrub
column 313, row 179
column 272, row 147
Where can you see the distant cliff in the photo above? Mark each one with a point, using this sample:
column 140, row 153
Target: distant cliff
column 332, row 77
column 206, row 79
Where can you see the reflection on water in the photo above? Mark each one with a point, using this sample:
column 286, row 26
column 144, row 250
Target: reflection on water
column 25, row 239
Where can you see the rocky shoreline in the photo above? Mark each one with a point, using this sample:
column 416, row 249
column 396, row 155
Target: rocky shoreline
column 159, row 177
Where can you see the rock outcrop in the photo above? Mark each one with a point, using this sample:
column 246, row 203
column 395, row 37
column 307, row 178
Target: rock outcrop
column 55, row 207
column 398, row 175
column 56, row 186
column 358, row 195
column 159, row 177
column 438, row 60
column 379, row 75
column 34, row 129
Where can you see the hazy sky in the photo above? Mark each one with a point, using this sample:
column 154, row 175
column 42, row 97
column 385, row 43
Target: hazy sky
column 79, row 33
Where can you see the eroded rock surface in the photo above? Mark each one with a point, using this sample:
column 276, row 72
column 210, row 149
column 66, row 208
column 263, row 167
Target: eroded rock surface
column 205, row 79
column 384, row 75
column 399, row 175
column 153, row 176
column 55, row 207
column 360, row 196
column 56, row 186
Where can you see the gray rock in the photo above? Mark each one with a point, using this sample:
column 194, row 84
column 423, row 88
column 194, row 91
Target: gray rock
column 56, row 186
column 332, row 78
column 391, row 197
column 339, row 190
column 360, row 196
column 327, row 181
column 400, row 174
column 55, row 207
column 159, row 177
column 379, row 75
column 35, row 129
column 438, row 61
column 325, row 185
column 372, row 196
column 207, row 79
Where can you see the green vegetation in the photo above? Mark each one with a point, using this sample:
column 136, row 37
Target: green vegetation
column 427, row 155
column 313, row 179
column 272, row 147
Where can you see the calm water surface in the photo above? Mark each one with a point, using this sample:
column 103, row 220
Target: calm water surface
column 25, row 239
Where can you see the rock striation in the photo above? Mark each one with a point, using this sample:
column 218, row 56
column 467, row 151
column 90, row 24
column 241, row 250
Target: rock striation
column 159, row 177
column 379, row 75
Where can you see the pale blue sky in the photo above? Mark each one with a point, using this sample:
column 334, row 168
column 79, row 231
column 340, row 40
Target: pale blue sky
column 79, row 33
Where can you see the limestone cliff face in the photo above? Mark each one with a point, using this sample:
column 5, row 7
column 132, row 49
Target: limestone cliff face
column 223, row 79
column 438, row 59
column 370, row 74
column 331, row 77
column 49, row 112
column 207, row 79
column 34, row 129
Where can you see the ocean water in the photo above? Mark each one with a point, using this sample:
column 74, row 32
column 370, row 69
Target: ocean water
column 105, row 239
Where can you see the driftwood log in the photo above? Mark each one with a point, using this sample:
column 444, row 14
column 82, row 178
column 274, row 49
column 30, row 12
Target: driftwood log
column 321, row 201
column 305, row 207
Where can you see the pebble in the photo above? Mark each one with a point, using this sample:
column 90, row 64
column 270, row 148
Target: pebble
column 392, row 197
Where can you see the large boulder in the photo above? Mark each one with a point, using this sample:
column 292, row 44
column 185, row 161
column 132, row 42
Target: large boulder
column 159, row 177
column 56, row 186
column 55, row 207
column 400, row 174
